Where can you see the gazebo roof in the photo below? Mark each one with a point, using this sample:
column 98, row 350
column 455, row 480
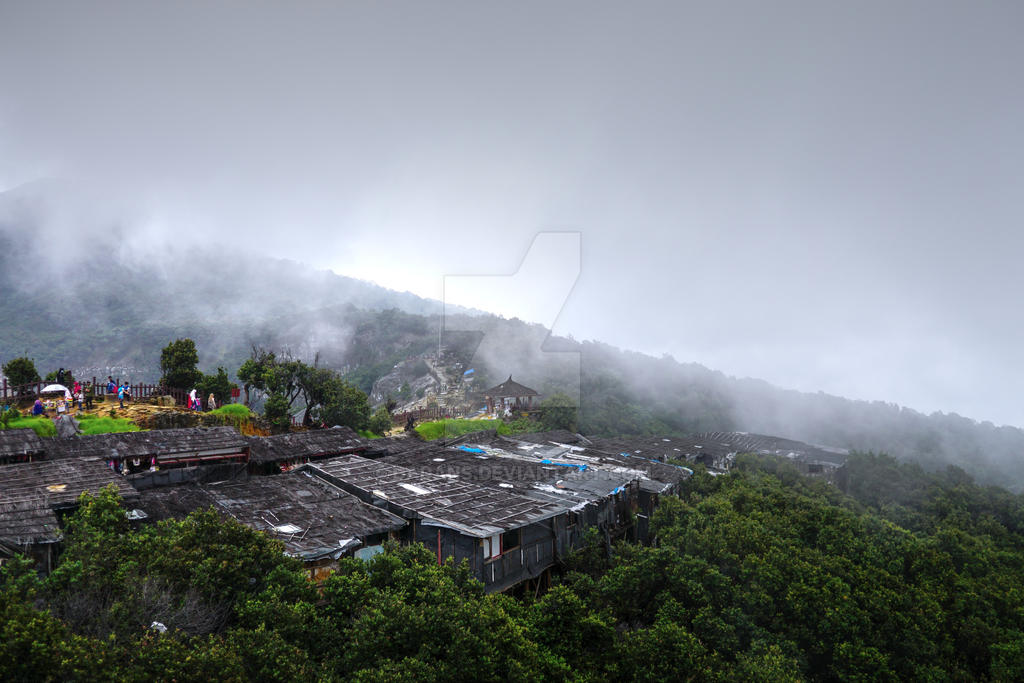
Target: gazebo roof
column 510, row 388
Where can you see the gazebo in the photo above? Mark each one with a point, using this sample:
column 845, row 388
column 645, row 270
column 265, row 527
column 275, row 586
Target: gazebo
column 509, row 396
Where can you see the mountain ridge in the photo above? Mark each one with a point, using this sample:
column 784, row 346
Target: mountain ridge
column 97, row 311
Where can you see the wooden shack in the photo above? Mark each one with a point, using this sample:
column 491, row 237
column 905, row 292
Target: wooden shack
column 282, row 452
column 35, row 497
column 614, row 494
column 506, row 538
column 20, row 445
column 159, row 457
column 318, row 523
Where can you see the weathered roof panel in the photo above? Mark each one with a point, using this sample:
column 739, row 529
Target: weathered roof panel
column 305, row 445
column 475, row 510
column 29, row 492
column 20, row 442
column 158, row 442
column 311, row 517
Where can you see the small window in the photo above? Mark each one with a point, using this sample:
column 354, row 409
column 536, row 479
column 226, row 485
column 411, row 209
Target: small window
column 511, row 539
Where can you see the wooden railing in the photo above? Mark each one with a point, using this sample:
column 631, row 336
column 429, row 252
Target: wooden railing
column 431, row 413
column 138, row 391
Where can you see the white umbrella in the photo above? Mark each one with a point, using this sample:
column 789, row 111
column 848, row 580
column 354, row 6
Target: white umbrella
column 53, row 388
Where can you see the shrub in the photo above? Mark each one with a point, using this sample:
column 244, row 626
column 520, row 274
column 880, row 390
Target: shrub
column 380, row 422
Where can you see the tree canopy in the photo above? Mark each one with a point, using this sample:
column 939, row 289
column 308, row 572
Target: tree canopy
column 178, row 361
column 759, row 575
column 289, row 386
column 21, row 370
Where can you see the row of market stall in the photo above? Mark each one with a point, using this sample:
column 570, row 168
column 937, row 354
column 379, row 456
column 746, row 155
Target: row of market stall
column 510, row 508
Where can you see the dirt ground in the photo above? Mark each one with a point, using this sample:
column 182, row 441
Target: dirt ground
column 132, row 410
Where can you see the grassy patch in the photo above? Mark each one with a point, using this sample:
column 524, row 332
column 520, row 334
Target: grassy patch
column 94, row 424
column 452, row 428
column 235, row 410
column 234, row 414
column 43, row 426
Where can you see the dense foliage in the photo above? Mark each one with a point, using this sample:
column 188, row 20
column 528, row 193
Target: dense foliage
column 20, row 371
column 290, row 385
column 757, row 575
column 178, row 364
column 558, row 411
column 217, row 384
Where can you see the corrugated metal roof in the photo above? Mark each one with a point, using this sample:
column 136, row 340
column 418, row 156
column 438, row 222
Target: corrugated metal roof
column 20, row 442
column 475, row 510
column 157, row 442
column 305, row 445
column 30, row 491
column 312, row 518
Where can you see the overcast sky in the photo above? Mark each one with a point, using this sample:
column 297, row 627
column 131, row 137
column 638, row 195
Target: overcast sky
column 826, row 195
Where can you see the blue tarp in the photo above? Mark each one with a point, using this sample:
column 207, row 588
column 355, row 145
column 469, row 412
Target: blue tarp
column 468, row 372
column 470, row 449
column 581, row 468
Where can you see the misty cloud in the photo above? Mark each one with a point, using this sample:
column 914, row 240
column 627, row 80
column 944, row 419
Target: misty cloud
column 825, row 196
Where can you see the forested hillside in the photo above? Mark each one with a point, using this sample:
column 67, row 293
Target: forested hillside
column 102, row 311
column 756, row 575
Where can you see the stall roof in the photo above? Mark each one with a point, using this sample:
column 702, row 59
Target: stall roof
column 31, row 491
column 644, row 465
column 743, row 442
column 312, row 518
column 157, row 442
column 472, row 509
column 566, row 482
column 304, row 445
column 20, row 442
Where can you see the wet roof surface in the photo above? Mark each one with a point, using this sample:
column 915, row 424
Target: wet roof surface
column 468, row 507
column 309, row 516
column 304, row 445
column 29, row 492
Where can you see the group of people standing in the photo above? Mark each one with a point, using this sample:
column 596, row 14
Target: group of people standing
column 195, row 403
column 81, row 396
column 123, row 391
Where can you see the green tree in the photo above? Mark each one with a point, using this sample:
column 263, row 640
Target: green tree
column 275, row 409
column 21, row 371
column 219, row 385
column 178, row 361
column 345, row 405
column 380, row 422
column 291, row 385
column 558, row 411
column 51, row 377
column 253, row 373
